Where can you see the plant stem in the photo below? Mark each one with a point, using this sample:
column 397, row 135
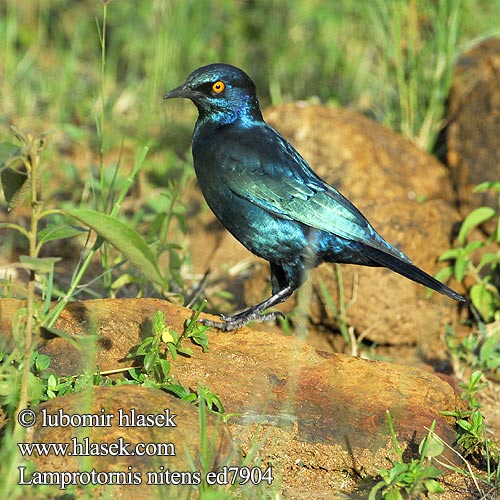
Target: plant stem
column 51, row 318
column 100, row 131
column 32, row 146
column 102, row 40
column 32, row 163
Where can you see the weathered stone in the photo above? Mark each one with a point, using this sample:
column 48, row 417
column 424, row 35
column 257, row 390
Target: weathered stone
column 473, row 151
column 173, row 445
column 261, row 374
column 297, row 408
column 278, row 380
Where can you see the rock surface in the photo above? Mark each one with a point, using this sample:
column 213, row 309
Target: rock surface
column 312, row 410
column 164, row 447
column 473, row 151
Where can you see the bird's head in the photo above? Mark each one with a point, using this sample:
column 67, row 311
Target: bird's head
column 221, row 92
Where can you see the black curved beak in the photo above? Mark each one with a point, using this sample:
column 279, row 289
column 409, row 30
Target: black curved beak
column 181, row 91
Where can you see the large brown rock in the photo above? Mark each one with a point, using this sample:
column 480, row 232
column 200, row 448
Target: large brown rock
column 473, row 150
column 143, row 455
column 308, row 410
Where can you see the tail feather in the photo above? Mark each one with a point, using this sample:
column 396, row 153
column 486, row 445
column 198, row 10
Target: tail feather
column 410, row 271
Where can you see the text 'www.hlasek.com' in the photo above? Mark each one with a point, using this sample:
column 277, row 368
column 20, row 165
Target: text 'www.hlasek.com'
column 85, row 447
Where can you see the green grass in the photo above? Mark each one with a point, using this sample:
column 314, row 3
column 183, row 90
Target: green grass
column 413, row 478
column 352, row 53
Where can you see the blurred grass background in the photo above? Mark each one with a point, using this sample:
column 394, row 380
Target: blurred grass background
column 384, row 57
column 389, row 59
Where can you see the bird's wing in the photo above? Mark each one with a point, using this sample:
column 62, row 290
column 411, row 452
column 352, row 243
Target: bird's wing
column 277, row 179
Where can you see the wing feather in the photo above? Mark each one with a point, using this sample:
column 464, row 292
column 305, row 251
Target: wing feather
column 281, row 182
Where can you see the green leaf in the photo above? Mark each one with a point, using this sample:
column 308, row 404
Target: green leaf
column 41, row 265
column 486, row 186
column 166, row 336
column 185, row 351
column 189, row 398
column 450, row 254
column 173, row 350
column 460, row 267
column 149, row 360
column 35, row 387
column 472, row 246
column 434, row 446
column 393, row 495
column 490, row 352
column 213, row 400
column 58, row 232
column 433, row 486
column 475, row 379
column 52, row 382
column 179, row 390
column 16, row 186
column 202, row 340
column 42, row 362
column 136, row 374
column 145, row 346
column 477, row 217
column 444, row 274
column 124, row 239
column 123, row 280
column 165, row 368
column 489, row 259
column 431, row 472
column 483, row 300
column 158, row 322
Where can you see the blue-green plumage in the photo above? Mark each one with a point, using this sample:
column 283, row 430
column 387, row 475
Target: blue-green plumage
column 268, row 197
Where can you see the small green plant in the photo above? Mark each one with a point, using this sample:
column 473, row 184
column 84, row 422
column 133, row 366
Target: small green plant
column 153, row 351
column 20, row 175
column 472, row 437
column 21, row 379
column 414, row 477
column 471, row 427
column 480, row 350
column 209, row 399
column 152, row 356
column 478, row 258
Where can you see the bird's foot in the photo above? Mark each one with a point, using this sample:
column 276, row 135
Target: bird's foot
column 230, row 323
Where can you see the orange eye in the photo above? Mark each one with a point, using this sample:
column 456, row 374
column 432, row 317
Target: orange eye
column 218, row 87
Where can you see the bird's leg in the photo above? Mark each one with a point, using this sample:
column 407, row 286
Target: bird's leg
column 254, row 313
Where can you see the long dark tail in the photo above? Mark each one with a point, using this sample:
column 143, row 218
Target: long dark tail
column 410, row 271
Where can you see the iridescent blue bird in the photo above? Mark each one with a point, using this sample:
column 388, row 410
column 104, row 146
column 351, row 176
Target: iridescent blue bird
column 268, row 197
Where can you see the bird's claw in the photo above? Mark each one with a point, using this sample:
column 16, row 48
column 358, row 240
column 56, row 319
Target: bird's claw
column 231, row 323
